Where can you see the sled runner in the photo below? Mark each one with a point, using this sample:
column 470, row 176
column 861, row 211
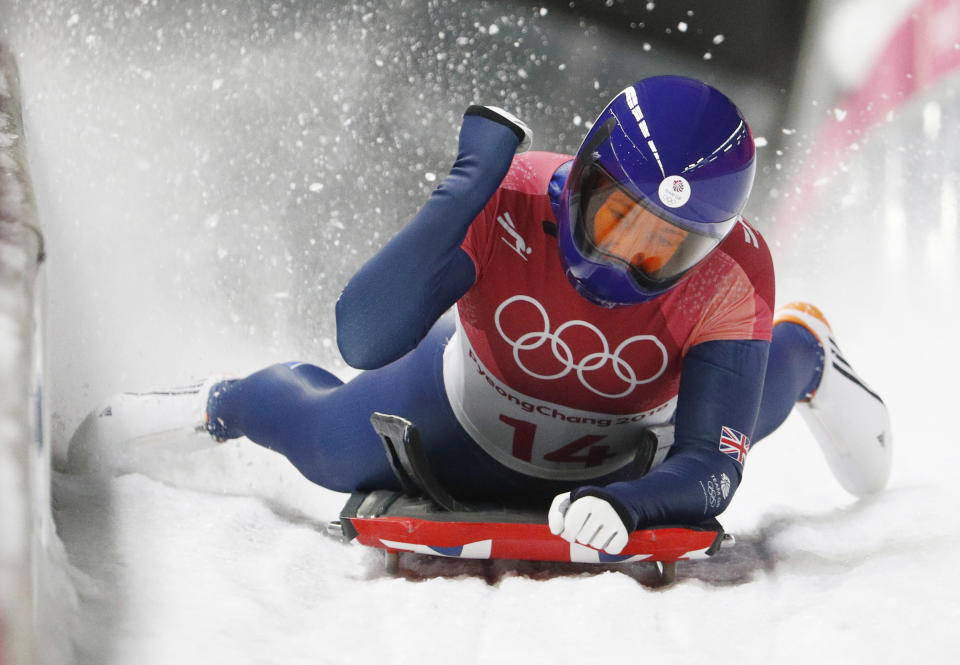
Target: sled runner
column 426, row 519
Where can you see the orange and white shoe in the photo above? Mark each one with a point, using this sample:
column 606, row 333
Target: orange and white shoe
column 849, row 420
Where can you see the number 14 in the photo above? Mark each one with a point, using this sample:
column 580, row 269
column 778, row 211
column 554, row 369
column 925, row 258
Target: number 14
column 582, row 451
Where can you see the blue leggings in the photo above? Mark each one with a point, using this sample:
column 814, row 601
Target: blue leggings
column 322, row 425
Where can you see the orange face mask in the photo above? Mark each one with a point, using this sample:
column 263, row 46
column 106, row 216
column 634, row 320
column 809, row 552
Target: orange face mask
column 624, row 228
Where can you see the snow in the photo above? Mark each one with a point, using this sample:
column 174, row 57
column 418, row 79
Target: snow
column 163, row 274
column 15, row 273
column 850, row 43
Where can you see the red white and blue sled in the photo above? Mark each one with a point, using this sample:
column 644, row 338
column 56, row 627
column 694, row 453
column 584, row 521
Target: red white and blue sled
column 426, row 519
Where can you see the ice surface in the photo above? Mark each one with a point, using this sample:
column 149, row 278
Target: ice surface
column 179, row 150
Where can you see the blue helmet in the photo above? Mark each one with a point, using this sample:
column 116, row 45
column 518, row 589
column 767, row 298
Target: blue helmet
column 659, row 181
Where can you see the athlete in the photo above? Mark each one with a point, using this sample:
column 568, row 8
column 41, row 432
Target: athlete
column 593, row 297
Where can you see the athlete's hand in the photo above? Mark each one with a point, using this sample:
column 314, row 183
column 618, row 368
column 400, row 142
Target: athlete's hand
column 518, row 124
column 589, row 521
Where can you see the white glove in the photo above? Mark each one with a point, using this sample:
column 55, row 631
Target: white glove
column 590, row 521
column 527, row 140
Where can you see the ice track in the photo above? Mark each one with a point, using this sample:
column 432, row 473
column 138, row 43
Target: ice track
column 180, row 213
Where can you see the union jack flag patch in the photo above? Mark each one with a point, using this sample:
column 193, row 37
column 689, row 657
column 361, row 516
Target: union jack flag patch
column 734, row 444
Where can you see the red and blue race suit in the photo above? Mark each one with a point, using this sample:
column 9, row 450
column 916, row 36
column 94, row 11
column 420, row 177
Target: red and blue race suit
column 527, row 389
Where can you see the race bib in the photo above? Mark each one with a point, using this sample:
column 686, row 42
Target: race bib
column 534, row 436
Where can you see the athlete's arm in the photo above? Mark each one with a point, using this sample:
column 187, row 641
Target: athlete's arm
column 393, row 300
column 721, row 386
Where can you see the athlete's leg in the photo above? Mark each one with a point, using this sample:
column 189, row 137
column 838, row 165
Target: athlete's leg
column 319, row 423
column 793, row 372
column 323, row 425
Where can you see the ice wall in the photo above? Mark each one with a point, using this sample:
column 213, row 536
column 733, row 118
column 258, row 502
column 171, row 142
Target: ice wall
column 24, row 461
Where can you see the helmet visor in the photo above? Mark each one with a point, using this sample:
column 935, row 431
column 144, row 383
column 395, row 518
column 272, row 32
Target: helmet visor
column 614, row 227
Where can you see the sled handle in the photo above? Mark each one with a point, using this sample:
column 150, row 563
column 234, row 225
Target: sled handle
column 401, row 440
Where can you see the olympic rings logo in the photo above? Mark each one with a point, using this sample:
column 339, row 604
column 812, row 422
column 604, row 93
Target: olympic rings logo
column 591, row 362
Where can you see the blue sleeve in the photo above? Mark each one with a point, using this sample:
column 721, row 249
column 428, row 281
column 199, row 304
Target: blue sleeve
column 393, row 300
column 721, row 386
